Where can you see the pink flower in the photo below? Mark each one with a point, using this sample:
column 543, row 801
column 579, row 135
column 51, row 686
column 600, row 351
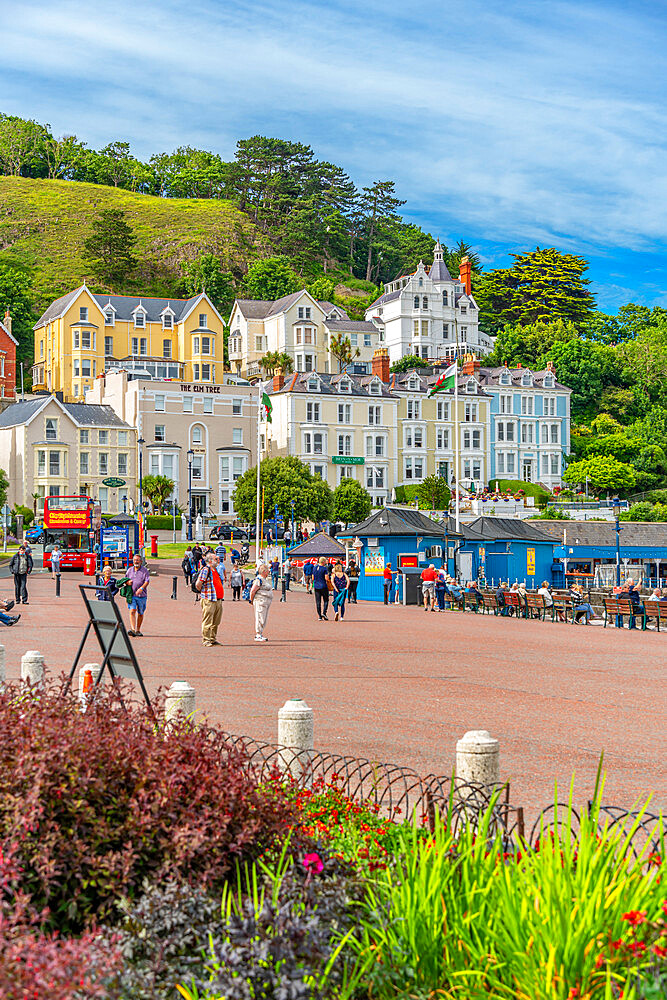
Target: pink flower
column 313, row 862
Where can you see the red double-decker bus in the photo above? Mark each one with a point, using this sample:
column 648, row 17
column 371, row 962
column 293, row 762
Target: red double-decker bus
column 69, row 522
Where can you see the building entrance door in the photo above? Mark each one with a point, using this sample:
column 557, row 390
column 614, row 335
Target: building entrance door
column 527, row 470
column 199, row 504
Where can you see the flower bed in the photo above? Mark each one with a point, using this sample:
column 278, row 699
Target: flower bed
column 119, row 840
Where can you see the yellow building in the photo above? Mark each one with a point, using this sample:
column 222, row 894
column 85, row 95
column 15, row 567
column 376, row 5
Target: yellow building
column 84, row 334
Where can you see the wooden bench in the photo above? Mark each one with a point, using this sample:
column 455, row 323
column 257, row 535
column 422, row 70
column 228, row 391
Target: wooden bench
column 620, row 609
column 513, row 601
column 489, row 604
column 655, row 611
column 535, row 606
column 472, row 602
column 561, row 604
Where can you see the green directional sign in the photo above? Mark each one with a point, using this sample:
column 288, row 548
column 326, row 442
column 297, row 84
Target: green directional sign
column 347, row 460
column 113, row 481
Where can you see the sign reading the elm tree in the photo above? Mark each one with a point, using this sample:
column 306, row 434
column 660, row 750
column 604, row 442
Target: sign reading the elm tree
column 347, row 460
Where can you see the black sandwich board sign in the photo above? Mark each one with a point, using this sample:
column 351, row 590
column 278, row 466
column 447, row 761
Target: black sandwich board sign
column 118, row 657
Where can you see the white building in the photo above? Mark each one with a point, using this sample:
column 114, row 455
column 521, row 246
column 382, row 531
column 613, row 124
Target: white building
column 427, row 312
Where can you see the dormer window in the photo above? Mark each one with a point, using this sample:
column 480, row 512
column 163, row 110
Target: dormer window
column 471, row 385
column 313, row 384
column 526, row 380
column 413, row 383
column 109, row 316
column 374, row 388
column 549, row 381
column 505, row 378
column 345, row 385
column 140, row 319
column 167, row 321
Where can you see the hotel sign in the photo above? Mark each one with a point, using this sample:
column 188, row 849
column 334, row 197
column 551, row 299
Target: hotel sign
column 347, row 460
column 185, row 387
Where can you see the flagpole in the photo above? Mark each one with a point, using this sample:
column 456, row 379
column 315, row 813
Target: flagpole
column 257, row 511
column 456, row 430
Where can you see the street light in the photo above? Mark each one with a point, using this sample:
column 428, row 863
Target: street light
column 141, row 444
column 191, row 456
column 124, row 505
column 293, row 535
column 616, row 510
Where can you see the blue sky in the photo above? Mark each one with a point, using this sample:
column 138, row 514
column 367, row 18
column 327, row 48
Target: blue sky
column 505, row 124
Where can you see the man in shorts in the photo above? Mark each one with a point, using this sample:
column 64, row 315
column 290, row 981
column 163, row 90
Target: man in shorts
column 139, row 578
column 428, row 586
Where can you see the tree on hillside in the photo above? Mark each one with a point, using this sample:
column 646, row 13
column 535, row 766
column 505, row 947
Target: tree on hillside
column 341, row 348
column 206, row 275
column 408, row 362
column 270, row 278
column 351, row 502
column 15, row 295
column 434, row 493
column 526, row 345
column 20, row 144
column 284, row 479
column 109, row 247
column 587, row 368
column 378, row 204
column 454, row 255
column 322, row 289
column 158, row 489
column 273, row 360
column 605, row 474
column 542, row 284
column 61, row 154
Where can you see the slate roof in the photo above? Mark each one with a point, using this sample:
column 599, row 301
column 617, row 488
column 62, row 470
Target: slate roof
column 350, row 326
column 399, row 382
column 320, row 544
column 491, row 376
column 329, row 385
column 85, row 414
column 396, row 521
column 601, row 533
column 123, row 304
column 510, row 529
column 263, row 308
column 387, row 297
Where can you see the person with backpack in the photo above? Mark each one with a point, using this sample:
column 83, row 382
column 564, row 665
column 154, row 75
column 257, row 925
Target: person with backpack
column 209, row 586
column 353, row 577
column 237, row 581
column 187, row 566
column 308, row 570
column 275, row 573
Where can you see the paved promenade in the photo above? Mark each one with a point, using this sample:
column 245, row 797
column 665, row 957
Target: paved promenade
column 397, row 684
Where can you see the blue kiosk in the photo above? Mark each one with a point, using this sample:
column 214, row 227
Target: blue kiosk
column 503, row 548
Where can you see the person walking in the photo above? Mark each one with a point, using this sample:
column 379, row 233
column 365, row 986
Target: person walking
column 440, row 589
column 275, row 573
column 220, row 551
column 388, row 579
column 56, row 556
column 108, row 585
column 428, row 586
column 321, row 581
column 187, row 566
column 21, row 567
column 353, row 577
column 209, row 585
column 139, row 578
column 308, row 570
column 261, row 595
column 237, row 581
column 287, row 570
column 341, row 582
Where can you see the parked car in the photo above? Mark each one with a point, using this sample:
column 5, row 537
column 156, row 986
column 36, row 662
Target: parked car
column 225, row 531
column 34, row 534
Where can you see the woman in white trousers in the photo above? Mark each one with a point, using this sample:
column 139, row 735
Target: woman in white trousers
column 261, row 595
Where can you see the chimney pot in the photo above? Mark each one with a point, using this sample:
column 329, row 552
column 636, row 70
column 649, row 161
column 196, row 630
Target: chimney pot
column 470, row 365
column 278, row 379
column 465, row 274
column 380, row 364
column 7, row 322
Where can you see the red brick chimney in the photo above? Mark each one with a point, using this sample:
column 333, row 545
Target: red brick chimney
column 278, row 379
column 7, row 359
column 465, row 274
column 519, row 365
column 470, row 365
column 380, row 364
column 550, row 367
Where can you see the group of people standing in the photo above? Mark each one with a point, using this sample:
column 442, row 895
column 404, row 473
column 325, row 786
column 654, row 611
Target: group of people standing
column 331, row 581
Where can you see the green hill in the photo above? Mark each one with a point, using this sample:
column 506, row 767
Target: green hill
column 43, row 225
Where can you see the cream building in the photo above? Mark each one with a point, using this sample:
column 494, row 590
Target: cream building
column 426, row 436
column 340, row 426
column 297, row 325
column 216, row 423
column 51, row 448
column 84, row 334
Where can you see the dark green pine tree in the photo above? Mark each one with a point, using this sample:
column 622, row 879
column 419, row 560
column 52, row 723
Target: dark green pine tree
column 109, row 248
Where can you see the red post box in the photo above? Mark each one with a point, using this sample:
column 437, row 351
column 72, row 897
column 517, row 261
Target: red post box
column 89, row 564
column 153, row 545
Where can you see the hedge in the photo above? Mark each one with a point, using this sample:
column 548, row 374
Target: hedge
column 162, row 521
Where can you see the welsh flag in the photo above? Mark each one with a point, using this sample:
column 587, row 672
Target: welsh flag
column 446, row 381
column 268, row 406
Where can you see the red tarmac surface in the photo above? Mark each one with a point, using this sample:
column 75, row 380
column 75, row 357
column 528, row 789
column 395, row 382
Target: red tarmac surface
column 399, row 685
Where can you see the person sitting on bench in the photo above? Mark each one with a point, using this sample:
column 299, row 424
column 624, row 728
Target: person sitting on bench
column 580, row 606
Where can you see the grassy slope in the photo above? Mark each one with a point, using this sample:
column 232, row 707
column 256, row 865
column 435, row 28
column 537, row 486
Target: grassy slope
column 43, row 225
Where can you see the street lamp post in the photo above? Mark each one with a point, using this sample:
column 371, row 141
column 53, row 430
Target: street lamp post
column 124, row 505
column 616, row 509
column 141, row 444
column 191, row 455
column 293, row 535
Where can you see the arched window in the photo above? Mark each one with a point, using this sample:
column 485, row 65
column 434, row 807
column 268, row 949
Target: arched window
column 445, row 299
column 197, row 434
column 416, row 302
column 425, row 302
column 421, row 282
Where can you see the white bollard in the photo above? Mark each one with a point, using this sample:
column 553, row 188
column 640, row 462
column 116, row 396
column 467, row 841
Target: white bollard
column 296, row 732
column 32, row 667
column 478, row 758
column 95, row 669
column 3, row 674
column 180, row 701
